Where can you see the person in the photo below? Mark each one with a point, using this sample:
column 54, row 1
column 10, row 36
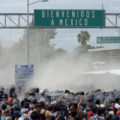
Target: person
column 82, row 99
column 109, row 117
column 17, row 115
column 6, row 115
column 90, row 105
column 37, row 108
column 72, row 115
column 100, row 114
column 112, row 106
column 117, row 104
column 35, row 115
column 97, row 102
column 93, row 117
column 43, row 111
column 24, row 114
column 5, row 99
column 10, row 101
column 74, row 107
column 33, row 102
column 4, row 106
column 0, row 114
column 89, row 114
column 24, row 111
column 67, row 97
column 12, row 92
column 51, row 118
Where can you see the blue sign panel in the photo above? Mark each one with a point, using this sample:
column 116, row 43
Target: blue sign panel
column 23, row 73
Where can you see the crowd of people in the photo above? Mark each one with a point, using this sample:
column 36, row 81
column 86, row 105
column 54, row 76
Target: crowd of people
column 95, row 105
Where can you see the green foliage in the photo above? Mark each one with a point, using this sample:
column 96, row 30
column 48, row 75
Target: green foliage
column 84, row 49
column 83, row 37
column 61, row 51
column 92, row 47
column 99, row 47
column 89, row 47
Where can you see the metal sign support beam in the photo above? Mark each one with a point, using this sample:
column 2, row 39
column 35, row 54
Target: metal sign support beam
column 19, row 21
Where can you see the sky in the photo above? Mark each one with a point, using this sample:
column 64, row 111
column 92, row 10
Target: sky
column 65, row 38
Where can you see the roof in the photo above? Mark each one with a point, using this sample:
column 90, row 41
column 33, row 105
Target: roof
column 103, row 49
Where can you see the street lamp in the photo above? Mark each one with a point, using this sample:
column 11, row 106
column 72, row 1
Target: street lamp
column 28, row 4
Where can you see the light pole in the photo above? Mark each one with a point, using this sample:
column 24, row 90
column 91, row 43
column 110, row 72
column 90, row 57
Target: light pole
column 28, row 4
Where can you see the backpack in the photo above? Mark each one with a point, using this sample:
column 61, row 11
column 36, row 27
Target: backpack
column 42, row 115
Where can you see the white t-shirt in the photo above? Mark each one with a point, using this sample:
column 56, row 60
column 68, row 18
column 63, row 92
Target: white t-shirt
column 117, row 106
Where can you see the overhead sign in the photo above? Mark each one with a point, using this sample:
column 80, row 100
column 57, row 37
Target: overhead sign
column 23, row 74
column 108, row 39
column 69, row 18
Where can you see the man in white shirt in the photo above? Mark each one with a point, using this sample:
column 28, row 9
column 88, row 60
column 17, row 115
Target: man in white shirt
column 117, row 104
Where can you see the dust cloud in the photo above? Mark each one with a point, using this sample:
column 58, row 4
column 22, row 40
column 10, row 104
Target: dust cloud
column 69, row 72
column 54, row 70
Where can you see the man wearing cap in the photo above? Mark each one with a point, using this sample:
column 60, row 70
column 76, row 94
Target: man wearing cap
column 24, row 111
column 17, row 115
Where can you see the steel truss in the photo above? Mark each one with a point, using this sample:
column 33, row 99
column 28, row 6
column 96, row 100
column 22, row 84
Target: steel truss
column 19, row 20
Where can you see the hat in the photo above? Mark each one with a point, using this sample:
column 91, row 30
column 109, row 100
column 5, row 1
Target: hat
column 26, row 105
column 17, row 114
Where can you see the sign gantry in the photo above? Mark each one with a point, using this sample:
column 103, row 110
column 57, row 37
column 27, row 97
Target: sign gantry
column 19, row 20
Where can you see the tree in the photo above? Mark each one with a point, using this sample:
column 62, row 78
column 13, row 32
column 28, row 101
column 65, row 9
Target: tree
column 39, row 46
column 83, row 37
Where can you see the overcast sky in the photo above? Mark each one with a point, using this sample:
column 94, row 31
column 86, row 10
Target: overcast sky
column 66, row 38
